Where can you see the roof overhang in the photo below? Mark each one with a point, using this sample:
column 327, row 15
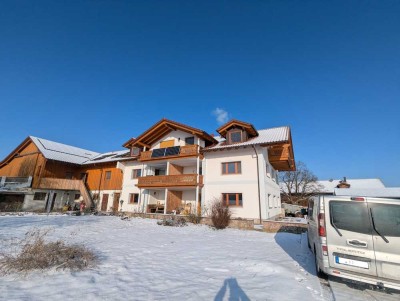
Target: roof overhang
column 162, row 128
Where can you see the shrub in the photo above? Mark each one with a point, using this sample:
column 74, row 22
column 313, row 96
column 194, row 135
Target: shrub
column 194, row 218
column 172, row 222
column 220, row 214
column 35, row 253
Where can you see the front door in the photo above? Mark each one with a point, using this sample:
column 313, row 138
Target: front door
column 104, row 202
column 349, row 236
column 116, row 202
column 385, row 216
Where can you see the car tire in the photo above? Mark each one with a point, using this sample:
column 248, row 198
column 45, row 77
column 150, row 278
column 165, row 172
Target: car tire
column 318, row 271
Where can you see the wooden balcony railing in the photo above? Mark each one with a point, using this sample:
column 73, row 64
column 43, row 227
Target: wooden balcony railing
column 66, row 184
column 170, row 152
column 170, row 181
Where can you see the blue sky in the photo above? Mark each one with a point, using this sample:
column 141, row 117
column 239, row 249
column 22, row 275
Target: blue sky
column 95, row 73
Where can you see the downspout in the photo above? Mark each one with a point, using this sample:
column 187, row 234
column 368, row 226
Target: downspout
column 258, row 183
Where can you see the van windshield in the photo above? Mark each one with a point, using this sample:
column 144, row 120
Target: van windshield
column 350, row 216
column 386, row 219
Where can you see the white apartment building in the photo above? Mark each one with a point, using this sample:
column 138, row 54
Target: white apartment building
column 179, row 169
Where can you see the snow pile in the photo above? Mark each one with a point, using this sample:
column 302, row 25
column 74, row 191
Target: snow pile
column 140, row 260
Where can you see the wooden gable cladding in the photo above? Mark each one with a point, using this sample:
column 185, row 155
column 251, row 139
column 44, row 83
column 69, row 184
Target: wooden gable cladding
column 164, row 127
column 237, row 124
column 26, row 160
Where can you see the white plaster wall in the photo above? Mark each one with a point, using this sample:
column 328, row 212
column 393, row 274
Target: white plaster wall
column 215, row 183
column 189, row 169
column 246, row 183
column 129, row 186
column 179, row 139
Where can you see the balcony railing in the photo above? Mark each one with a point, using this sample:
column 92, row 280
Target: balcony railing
column 9, row 183
column 170, row 152
column 170, row 181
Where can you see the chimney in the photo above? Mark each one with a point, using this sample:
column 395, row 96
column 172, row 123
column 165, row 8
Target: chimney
column 343, row 183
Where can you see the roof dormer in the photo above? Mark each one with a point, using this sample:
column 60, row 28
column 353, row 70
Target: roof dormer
column 236, row 131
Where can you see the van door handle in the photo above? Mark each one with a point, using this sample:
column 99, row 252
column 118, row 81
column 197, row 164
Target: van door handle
column 357, row 243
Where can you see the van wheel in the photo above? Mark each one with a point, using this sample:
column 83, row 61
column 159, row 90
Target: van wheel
column 319, row 272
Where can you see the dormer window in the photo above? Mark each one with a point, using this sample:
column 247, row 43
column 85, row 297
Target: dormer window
column 235, row 136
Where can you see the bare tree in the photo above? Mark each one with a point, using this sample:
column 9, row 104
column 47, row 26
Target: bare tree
column 298, row 186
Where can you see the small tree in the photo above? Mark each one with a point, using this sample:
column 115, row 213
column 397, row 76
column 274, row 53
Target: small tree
column 220, row 214
column 299, row 185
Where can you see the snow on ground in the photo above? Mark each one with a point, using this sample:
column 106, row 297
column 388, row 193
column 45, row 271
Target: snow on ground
column 141, row 260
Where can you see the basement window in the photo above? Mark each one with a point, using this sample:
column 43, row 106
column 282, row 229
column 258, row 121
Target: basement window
column 39, row 196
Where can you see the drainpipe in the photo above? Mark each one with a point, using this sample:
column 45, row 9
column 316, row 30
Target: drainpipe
column 258, row 183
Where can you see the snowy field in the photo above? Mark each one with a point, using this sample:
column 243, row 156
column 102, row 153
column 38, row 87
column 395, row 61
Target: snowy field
column 141, row 260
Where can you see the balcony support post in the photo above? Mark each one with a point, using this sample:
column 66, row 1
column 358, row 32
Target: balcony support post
column 165, row 200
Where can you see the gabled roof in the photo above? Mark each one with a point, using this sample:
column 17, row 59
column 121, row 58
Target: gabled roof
column 248, row 127
column 265, row 137
column 62, row 152
column 329, row 186
column 388, row 192
column 162, row 128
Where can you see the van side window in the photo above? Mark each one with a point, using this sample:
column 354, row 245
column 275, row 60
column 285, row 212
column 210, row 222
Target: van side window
column 386, row 219
column 310, row 210
column 350, row 216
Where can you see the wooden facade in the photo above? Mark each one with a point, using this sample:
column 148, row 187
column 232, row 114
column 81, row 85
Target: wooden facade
column 26, row 160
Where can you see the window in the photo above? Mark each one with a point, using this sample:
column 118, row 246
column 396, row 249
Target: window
column 231, row 168
column 386, row 218
column 269, row 200
column 133, row 198
column 350, row 216
column 232, row 199
column 108, row 175
column 77, row 196
column 39, row 196
column 136, row 173
column 160, row 172
column 189, row 140
column 235, row 136
column 68, row 175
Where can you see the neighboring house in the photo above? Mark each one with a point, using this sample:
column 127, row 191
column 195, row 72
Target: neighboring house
column 181, row 169
column 355, row 187
column 45, row 175
column 170, row 168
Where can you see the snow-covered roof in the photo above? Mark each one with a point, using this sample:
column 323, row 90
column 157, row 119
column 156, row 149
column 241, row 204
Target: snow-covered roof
column 70, row 154
column 388, row 192
column 265, row 136
column 109, row 157
column 330, row 185
column 62, row 152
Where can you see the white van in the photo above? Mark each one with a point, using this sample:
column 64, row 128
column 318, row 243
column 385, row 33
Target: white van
column 356, row 238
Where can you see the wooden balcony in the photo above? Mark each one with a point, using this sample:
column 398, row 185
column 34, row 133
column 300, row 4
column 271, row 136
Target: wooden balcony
column 170, row 152
column 170, row 181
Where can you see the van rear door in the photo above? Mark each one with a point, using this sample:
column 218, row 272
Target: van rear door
column 349, row 236
column 385, row 217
